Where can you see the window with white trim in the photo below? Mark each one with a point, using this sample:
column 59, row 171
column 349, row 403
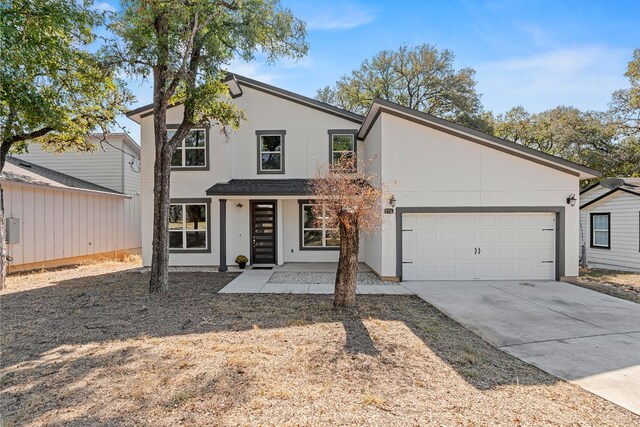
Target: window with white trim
column 342, row 147
column 188, row 226
column 600, row 230
column 271, row 153
column 192, row 151
column 316, row 232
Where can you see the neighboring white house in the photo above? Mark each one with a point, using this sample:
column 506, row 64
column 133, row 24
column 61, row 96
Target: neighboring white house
column 610, row 224
column 69, row 206
column 465, row 205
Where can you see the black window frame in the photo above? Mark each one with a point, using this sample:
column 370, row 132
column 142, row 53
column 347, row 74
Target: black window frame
column 259, row 134
column 301, row 205
column 205, row 128
column 197, row 201
column 591, row 236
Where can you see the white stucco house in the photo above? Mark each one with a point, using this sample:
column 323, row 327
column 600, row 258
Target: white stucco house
column 64, row 208
column 466, row 205
column 610, row 224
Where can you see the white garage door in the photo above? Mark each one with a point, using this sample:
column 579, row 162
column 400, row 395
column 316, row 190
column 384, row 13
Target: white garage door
column 478, row 246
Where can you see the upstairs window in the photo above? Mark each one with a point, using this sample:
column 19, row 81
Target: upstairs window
column 192, row 151
column 316, row 232
column 342, row 146
column 271, row 152
column 601, row 230
column 188, row 226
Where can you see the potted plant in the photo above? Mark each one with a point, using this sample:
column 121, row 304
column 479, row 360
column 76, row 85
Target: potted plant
column 242, row 261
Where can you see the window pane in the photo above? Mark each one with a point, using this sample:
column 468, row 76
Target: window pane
column 176, row 160
column 601, row 222
column 170, row 134
column 333, row 238
column 312, row 238
column 175, row 239
column 601, row 238
column 308, row 220
column 196, row 239
column 342, row 143
column 175, row 216
column 196, row 217
column 195, row 139
column 195, row 157
column 270, row 143
column 338, row 157
column 271, row 161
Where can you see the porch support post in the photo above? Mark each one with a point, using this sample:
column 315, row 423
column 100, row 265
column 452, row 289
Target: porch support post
column 223, row 235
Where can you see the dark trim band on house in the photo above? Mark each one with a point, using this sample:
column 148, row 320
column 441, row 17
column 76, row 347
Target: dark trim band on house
column 302, row 247
column 294, row 97
column 147, row 110
column 472, row 135
column 558, row 210
column 206, row 129
column 262, row 187
column 204, row 201
column 261, row 133
column 223, row 235
column 592, row 229
column 607, row 194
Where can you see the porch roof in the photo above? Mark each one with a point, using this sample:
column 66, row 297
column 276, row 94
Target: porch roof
column 262, row 187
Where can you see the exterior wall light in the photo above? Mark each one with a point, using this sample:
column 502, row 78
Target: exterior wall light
column 392, row 201
column 571, row 200
column 239, row 206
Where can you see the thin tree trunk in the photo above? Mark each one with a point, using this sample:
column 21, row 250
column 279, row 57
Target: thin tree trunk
column 345, row 290
column 4, row 150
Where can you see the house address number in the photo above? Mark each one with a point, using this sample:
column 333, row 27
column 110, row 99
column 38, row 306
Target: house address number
column 388, row 210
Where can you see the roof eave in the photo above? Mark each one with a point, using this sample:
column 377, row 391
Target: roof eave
column 380, row 106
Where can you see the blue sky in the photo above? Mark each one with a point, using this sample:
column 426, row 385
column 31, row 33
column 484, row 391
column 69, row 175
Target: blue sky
column 538, row 54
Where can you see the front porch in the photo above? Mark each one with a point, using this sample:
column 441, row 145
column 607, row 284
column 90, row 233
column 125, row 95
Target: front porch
column 308, row 278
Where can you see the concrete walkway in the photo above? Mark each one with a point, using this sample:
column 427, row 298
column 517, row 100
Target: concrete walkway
column 256, row 282
column 585, row 337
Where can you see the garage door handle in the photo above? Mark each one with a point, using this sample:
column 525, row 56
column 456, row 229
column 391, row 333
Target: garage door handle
column 407, row 262
column 479, row 251
column 547, row 262
column 406, row 229
column 475, row 251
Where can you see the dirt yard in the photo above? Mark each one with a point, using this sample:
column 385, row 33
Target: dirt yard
column 621, row 284
column 89, row 346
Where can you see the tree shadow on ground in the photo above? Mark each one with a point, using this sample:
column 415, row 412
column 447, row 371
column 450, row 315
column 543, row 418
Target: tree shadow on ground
column 71, row 334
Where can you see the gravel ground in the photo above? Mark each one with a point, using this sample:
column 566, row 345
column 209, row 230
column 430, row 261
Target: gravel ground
column 311, row 278
column 90, row 347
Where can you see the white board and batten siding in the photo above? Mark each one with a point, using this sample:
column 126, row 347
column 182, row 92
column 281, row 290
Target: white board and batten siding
column 624, row 253
column 59, row 223
column 478, row 246
column 102, row 167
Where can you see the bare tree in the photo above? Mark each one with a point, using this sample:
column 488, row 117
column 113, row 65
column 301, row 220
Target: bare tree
column 349, row 199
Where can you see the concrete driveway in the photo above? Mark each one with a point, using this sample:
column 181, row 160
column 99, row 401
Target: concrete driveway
column 585, row 337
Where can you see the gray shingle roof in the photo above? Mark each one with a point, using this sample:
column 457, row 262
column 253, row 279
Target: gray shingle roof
column 265, row 187
column 17, row 170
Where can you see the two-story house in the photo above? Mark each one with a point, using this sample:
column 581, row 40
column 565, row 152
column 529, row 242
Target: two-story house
column 462, row 205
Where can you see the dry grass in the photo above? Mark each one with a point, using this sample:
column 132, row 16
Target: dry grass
column 621, row 284
column 88, row 346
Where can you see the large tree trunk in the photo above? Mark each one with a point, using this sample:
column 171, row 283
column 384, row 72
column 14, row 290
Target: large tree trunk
column 345, row 291
column 161, row 202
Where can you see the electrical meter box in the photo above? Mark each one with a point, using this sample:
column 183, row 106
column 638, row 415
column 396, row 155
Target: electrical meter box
column 13, row 231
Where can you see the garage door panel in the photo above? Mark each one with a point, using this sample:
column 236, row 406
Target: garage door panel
column 429, row 237
column 479, row 246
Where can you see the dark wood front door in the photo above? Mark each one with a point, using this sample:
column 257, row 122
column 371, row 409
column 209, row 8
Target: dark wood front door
column 263, row 232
